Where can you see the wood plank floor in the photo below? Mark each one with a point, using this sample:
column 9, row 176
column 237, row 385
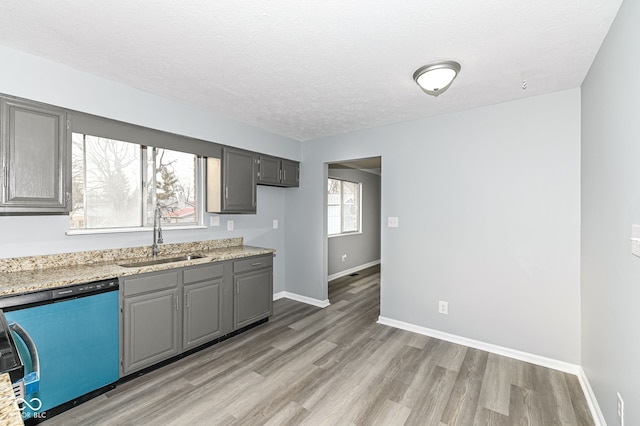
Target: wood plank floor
column 337, row 366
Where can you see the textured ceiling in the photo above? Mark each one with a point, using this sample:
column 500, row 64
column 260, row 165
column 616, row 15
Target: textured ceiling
column 312, row 69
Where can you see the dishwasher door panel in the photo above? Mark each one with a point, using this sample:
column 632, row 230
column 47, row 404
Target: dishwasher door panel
column 77, row 342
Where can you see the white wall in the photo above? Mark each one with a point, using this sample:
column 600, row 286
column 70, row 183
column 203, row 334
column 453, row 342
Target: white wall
column 361, row 248
column 610, row 205
column 38, row 79
column 488, row 201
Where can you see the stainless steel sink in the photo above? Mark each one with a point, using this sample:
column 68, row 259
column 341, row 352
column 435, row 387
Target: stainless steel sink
column 161, row 261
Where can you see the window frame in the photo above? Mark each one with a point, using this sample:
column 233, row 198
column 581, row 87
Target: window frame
column 199, row 195
column 343, row 233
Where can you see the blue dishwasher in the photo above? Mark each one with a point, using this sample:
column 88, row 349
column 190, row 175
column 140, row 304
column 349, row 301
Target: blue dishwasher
column 68, row 341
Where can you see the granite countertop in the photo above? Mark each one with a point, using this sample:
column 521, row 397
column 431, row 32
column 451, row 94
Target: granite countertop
column 33, row 273
column 9, row 413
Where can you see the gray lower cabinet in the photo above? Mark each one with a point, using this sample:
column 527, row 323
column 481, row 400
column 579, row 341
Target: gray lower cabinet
column 150, row 319
column 253, row 287
column 36, row 150
column 166, row 313
column 203, row 295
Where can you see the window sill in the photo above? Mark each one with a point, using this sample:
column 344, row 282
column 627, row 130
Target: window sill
column 345, row 234
column 72, row 232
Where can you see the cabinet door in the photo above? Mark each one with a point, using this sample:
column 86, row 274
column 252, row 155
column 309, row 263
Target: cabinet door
column 150, row 327
column 254, row 296
column 202, row 309
column 290, row 173
column 35, row 152
column 269, row 170
column 239, row 181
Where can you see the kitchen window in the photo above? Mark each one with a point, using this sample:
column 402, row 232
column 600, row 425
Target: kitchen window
column 343, row 202
column 117, row 184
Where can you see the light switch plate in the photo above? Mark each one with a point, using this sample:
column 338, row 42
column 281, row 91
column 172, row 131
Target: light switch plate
column 214, row 220
column 229, row 225
column 392, row 222
column 635, row 240
column 275, row 223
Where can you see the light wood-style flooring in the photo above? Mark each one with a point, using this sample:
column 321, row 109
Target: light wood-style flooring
column 337, row 366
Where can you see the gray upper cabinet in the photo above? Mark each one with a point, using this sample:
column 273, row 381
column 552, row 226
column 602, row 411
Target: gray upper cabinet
column 290, row 173
column 269, row 170
column 35, row 144
column 278, row 172
column 231, row 182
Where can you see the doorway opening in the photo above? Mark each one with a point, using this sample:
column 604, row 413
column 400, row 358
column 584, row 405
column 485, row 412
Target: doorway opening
column 353, row 215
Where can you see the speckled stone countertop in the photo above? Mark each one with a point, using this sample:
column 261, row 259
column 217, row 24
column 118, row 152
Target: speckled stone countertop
column 29, row 274
column 9, row 413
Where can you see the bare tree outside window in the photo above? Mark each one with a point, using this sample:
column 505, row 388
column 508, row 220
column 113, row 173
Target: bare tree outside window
column 106, row 183
column 175, row 185
column 108, row 189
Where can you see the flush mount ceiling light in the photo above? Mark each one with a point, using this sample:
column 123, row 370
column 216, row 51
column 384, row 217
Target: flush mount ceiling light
column 436, row 78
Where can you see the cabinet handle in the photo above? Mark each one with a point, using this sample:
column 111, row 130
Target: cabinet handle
column 6, row 176
column 256, row 264
column 226, row 192
column 284, row 172
column 176, row 298
column 186, row 299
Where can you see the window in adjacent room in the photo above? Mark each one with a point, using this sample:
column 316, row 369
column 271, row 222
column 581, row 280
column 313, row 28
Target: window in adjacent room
column 343, row 201
column 116, row 184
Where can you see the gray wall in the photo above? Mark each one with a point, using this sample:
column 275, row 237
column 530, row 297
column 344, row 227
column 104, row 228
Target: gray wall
column 489, row 204
column 362, row 248
column 38, row 79
column 488, row 201
column 610, row 205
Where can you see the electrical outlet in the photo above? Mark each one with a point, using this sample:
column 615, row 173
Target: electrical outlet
column 214, row 220
column 229, row 225
column 344, row 257
column 275, row 223
column 620, row 409
column 443, row 307
column 393, row 222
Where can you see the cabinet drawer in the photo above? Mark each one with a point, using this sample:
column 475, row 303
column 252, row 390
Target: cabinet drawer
column 202, row 273
column 252, row 263
column 151, row 282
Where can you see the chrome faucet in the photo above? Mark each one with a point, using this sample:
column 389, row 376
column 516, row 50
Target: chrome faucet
column 157, row 233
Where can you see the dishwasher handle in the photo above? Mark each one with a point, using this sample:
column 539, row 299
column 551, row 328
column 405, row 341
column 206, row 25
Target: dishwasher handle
column 31, row 380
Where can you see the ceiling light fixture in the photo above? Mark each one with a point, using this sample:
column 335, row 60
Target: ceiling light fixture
column 436, row 78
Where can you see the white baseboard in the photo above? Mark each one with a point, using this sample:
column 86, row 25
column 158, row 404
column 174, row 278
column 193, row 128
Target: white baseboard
column 352, row 270
column 598, row 417
column 304, row 299
column 511, row 353
column 500, row 350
